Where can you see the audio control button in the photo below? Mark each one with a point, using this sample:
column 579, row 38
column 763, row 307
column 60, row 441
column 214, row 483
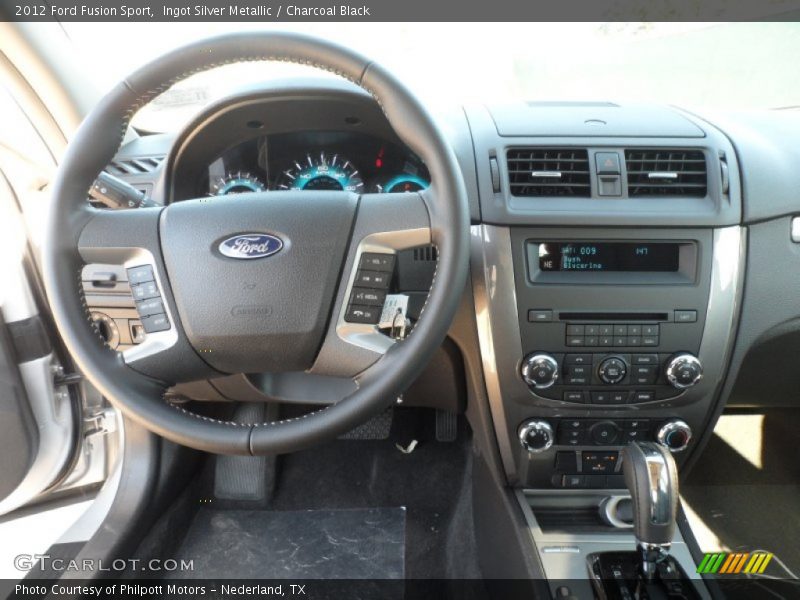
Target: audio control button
column 644, row 359
column 618, row 397
column 684, row 370
column 612, row 370
column 575, row 396
column 578, row 359
column 539, row 370
column 643, row 396
column 644, row 374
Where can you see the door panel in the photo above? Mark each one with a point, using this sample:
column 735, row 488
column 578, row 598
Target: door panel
column 19, row 436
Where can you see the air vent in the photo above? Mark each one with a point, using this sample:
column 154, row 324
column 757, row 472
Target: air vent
column 134, row 166
column 666, row 172
column 548, row 172
column 425, row 254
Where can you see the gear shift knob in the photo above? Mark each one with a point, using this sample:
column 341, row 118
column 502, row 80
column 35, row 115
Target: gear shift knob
column 652, row 478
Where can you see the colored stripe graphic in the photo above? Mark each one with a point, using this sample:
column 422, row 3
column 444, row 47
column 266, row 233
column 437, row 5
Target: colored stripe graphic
column 734, row 562
column 726, row 566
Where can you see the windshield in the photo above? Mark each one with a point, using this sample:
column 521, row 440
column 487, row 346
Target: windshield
column 696, row 65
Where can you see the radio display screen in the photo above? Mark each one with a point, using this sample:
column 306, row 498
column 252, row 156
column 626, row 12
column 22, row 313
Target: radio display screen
column 609, row 256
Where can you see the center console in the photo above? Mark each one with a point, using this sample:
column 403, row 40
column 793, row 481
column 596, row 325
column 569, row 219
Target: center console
column 606, row 277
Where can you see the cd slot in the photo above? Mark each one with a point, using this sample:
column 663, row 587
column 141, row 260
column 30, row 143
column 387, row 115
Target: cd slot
column 613, row 316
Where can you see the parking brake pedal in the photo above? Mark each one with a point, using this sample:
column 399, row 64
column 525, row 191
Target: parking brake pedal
column 446, row 426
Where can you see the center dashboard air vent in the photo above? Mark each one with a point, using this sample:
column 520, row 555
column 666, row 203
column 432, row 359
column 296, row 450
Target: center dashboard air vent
column 666, row 172
column 535, row 172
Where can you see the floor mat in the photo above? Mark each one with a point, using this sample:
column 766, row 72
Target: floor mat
column 364, row 543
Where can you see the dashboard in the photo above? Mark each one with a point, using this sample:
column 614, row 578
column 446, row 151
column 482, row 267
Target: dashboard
column 630, row 262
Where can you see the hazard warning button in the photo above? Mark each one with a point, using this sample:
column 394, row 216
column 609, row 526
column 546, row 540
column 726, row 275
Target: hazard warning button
column 607, row 163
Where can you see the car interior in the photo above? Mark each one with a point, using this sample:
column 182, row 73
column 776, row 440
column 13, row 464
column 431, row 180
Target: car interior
column 324, row 333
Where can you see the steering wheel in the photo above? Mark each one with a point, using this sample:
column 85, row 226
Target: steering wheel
column 258, row 283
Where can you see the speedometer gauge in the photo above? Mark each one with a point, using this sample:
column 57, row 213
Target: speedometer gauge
column 320, row 172
column 237, row 183
column 405, row 182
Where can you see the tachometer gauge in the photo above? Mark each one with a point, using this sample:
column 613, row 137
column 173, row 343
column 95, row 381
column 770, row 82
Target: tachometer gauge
column 321, row 172
column 405, row 182
column 237, row 183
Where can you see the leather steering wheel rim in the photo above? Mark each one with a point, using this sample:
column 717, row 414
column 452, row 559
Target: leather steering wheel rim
column 140, row 397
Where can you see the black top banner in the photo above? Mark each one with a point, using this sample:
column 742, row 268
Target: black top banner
column 398, row 10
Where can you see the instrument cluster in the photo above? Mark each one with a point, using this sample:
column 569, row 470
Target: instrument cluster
column 305, row 161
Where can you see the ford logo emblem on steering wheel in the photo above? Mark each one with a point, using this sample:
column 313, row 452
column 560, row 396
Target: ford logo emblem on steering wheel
column 251, row 245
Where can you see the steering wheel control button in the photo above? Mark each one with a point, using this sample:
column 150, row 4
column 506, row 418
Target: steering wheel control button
column 684, row 370
column 536, row 315
column 373, row 279
column 369, row 315
column 536, row 436
column 144, row 291
column 612, row 370
column 143, row 274
column 604, row 433
column 373, row 261
column 155, row 323
column 367, row 297
column 675, row 435
column 152, row 306
column 539, row 370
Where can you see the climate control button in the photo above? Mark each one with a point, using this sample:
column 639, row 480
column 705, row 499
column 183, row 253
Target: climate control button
column 612, row 370
column 604, row 433
column 675, row 435
column 536, row 436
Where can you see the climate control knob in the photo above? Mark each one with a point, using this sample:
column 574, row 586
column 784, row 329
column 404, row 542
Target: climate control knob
column 675, row 435
column 536, row 436
column 684, row 370
column 539, row 370
column 612, row 370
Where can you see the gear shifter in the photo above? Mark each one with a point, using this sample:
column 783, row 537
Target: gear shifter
column 652, row 478
column 650, row 573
